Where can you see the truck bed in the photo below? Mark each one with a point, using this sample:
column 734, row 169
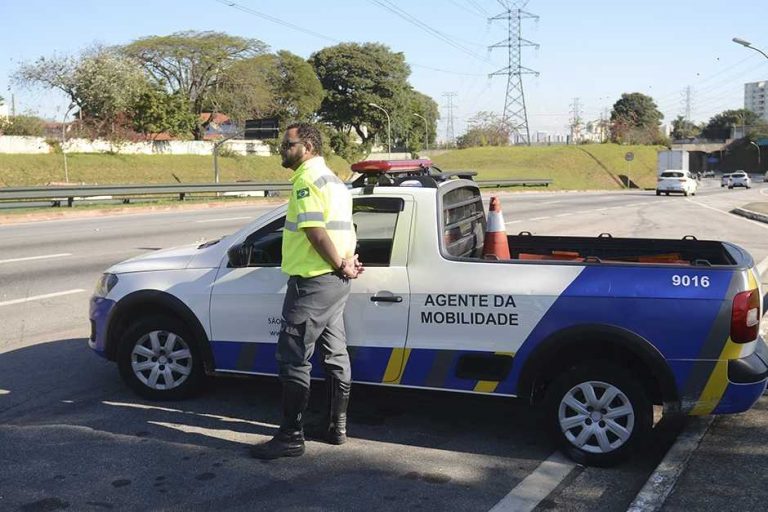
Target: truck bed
column 606, row 249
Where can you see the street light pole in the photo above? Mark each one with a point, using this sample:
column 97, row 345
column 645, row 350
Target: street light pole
column 64, row 140
column 758, row 155
column 389, row 130
column 747, row 44
column 426, row 130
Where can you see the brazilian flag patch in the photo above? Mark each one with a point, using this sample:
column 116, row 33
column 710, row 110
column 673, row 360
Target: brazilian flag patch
column 302, row 193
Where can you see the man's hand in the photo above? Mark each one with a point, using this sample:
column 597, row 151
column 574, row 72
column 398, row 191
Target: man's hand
column 352, row 268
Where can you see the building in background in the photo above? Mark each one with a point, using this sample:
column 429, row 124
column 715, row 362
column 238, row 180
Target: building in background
column 754, row 98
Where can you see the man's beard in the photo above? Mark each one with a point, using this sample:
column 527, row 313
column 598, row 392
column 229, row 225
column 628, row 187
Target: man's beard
column 289, row 162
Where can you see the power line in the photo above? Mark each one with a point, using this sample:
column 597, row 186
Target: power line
column 478, row 7
column 287, row 24
column 276, row 20
column 450, row 40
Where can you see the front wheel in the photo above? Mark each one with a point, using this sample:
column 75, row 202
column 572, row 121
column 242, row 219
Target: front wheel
column 597, row 413
column 159, row 359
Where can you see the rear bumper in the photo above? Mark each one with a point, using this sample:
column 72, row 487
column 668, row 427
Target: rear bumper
column 747, row 378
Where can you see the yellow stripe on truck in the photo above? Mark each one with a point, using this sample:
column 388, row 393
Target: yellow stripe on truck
column 397, row 361
column 718, row 380
column 486, row 386
column 489, row 386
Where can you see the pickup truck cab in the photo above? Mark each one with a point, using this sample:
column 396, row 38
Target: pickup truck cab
column 593, row 331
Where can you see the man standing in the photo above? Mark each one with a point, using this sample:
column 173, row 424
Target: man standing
column 318, row 254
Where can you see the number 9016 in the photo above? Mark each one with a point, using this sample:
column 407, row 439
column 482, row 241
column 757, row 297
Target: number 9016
column 702, row 281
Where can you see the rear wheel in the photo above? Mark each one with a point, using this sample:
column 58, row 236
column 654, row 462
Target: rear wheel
column 658, row 193
column 159, row 359
column 597, row 413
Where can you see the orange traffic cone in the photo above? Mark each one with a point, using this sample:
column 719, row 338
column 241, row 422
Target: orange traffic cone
column 496, row 245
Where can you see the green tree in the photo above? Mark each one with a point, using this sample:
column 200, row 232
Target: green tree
column 684, row 129
column 156, row 111
column 719, row 126
column 102, row 83
column 297, row 91
column 192, row 63
column 484, row 129
column 244, row 91
column 427, row 108
column 24, row 125
column 353, row 76
column 282, row 85
column 635, row 119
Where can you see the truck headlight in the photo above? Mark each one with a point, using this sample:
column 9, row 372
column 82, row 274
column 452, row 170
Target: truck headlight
column 105, row 284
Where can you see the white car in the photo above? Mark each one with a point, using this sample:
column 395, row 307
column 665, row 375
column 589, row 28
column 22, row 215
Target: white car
column 676, row 182
column 740, row 179
column 725, row 181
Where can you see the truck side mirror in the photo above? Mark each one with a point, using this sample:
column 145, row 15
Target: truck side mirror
column 239, row 255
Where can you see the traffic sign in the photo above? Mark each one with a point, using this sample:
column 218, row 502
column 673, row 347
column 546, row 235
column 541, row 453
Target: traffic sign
column 629, row 156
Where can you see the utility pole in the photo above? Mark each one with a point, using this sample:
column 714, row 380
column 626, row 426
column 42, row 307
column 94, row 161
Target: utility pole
column 576, row 121
column 515, row 116
column 450, row 135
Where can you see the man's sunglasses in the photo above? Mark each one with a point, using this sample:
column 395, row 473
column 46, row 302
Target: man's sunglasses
column 290, row 143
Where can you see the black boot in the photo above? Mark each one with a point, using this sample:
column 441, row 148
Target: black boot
column 333, row 428
column 289, row 441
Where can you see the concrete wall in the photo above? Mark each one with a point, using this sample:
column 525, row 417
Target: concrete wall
column 37, row 145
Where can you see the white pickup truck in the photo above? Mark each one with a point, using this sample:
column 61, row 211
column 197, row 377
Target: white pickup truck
column 592, row 330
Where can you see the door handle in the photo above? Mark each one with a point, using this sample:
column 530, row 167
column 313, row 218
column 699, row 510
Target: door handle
column 386, row 298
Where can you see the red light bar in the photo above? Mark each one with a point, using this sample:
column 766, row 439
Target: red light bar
column 391, row 165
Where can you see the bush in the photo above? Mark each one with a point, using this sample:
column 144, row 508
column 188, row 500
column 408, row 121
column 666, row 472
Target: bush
column 30, row 126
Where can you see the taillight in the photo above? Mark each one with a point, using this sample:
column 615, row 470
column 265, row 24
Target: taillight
column 745, row 316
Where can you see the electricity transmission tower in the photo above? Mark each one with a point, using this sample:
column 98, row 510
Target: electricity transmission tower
column 515, row 116
column 450, row 136
column 576, row 121
column 687, row 101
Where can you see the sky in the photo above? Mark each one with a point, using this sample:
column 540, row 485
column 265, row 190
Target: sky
column 593, row 50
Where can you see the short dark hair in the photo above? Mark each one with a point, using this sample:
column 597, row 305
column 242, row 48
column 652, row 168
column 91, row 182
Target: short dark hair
column 309, row 133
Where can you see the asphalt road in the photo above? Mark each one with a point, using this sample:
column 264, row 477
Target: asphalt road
column 71, row 435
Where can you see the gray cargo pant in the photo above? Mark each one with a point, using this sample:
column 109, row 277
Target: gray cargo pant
column 313, row 311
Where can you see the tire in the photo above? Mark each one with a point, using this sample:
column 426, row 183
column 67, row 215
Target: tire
column 608, row 443
column 141, row 359
column 685, row 193
column 658, row 193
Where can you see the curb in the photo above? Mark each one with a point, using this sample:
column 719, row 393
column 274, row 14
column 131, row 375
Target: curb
column 663, row 479
column 760, row 217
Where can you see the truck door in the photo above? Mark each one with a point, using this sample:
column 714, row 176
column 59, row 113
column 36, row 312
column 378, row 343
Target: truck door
column 246, row 303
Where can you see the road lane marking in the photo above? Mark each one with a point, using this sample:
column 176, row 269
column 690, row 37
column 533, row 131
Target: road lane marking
column 762, row 266
column 541, row 218
column 40, row 297
column 756, row 223
column 4, row 392
column 564, row 215
column 31, row 258
column 536, row 486
column 513, row 222
column 661, row 482
column 226, row 419
column 222, row 220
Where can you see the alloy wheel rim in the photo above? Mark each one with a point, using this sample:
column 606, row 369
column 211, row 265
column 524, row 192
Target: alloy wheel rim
column 596, row 417
column 161, row 360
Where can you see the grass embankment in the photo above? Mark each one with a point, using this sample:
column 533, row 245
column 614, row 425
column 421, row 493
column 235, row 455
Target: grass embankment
column 593, row 166
column 100, row 169
column 585, row 167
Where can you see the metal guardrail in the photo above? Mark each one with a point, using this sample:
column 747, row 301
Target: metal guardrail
column 58, row 196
